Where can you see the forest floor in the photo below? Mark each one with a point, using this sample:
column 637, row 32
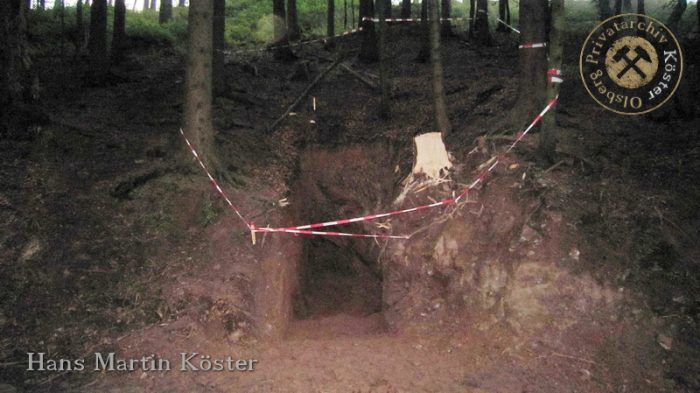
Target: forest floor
column 111, row 241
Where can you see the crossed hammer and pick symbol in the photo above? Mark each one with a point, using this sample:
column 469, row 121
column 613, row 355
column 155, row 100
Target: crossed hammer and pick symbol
column 622, row 54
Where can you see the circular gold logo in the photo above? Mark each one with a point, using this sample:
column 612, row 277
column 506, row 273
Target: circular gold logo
column 631, row 64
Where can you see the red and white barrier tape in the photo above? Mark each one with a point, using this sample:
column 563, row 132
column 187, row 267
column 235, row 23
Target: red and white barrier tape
column 554, row 76
column 215, row 183
column 482, row 176
column 322, row 233
column 367, row 18
column 535, row 45
column 507, row 25
column 269, row 48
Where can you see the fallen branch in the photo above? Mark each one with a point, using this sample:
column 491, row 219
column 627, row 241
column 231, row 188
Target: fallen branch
column 359, row 77
column 304, row 93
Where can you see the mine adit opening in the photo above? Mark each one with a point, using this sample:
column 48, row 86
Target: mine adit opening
column 339, row 276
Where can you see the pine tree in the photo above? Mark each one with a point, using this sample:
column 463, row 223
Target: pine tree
column 439, row 101
column 405, row 9
column 481, row 23
column 424, row 52
column 548, row 137
column 198, row 85
column 293, row 28
column 281, row 41
column 533, row 63
column 97, row 43
column 166, row 11
column 503, row 15
column 118, row 31
column 384, row 104
column 446, row 11
column 219, row 26
column 369, row 51
column 330, row 16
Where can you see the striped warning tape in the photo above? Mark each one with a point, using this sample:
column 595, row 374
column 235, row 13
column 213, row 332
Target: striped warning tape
column 554, row 76
column 480, row 179
column 306, row 229
column 535, row 45
column 507, row 25
column 270, row 48
column 214, row 182
column 368, row 18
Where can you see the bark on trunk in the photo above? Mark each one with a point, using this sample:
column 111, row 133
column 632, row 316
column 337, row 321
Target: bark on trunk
column 618, row 7
column 604, row 9
column 640, row 7
column 481, row 24
column 424, row 52
column 548, row 138
column 330, row 19
column 384, row 105
column 281, row 42
column 406, row 9
column 472, row 17
column 166, row 11
column 118, row 31
column 181, row 3
column 293, row 28
column 219, row 28
column 97, row 44
column 79, row 26
column 386, row 12
column 369, row 51
column 198, row 85
column 12, row 53
column 153, row 4
column 146, row 4
column 446, row 11
column 675, row 17
column 533, row 63
column 441, row 118
column 503, row 15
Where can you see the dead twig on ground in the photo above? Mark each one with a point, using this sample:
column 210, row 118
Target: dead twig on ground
column 359, row 77
column 304, row 93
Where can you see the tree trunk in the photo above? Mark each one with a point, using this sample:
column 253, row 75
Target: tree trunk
column 533, row 63
column 118, row 31
column 503, row 15
column 219, row 28
column 446, row 12
column 406, row 9
column 627, row 5
column 154, row 5
column 384, row 104
column 281, row 42
column 181, row 3
column 618, row 7
column 369, row 51
column 675, row 17
column 640, row 7
column 424, row 52
column 12, row 57
column 352, row 12
column 42, row 4
column 472, row 18
column 198, row 86
column 79, row 26
column 604, row 9
column 97, row 43
column 146, row 4
column 386, row 13
column 293, row 28
column 481, row 24
column 548, row 137
column 330, row 21
column 166, row 11
column 345, row 14
column 441, row 118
